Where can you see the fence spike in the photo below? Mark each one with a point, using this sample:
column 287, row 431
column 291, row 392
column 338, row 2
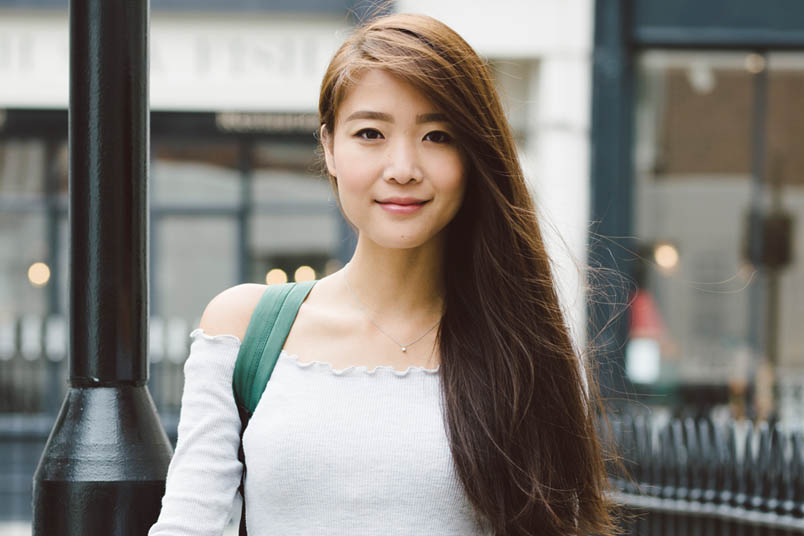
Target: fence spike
column 681, row 459
column 696, row 459
column 668, row 462
column 756, row 470
column 744, row 470
column 772, row 482
column 729, row 469
column 797, row 475
column 643, row 454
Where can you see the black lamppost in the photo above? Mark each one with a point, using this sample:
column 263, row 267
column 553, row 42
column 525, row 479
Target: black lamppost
column 103, row 468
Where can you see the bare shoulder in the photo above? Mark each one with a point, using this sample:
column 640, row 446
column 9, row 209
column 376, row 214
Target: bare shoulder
column 229, row 312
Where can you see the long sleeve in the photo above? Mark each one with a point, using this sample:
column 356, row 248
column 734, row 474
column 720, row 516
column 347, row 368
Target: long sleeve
column 204, row 472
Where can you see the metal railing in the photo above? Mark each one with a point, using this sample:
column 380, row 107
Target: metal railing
column 697, row 477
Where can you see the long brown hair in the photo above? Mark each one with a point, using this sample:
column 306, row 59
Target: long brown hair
column 520, row 407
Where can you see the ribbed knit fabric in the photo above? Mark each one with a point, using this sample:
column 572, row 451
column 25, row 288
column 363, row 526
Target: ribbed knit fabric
column 329, row 452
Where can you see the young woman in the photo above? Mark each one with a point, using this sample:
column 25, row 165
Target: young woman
column 430, row 386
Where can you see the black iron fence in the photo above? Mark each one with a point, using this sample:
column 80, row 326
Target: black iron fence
column 697, row 477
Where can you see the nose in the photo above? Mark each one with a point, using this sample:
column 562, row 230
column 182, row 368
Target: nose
column 402, row 162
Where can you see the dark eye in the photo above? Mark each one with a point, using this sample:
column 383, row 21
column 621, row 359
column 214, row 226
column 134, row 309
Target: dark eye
column 438, row 136
column 369, row 134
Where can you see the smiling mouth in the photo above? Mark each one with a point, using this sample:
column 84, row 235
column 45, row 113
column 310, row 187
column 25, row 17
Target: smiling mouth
column 402, row 208
column 402, row 204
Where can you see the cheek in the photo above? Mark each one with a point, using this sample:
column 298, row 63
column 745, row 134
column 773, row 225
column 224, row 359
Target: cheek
column 451, row 177
column 355, row 171
column 355, row 179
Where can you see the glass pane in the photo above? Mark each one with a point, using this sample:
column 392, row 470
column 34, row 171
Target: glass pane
column 785, row 159
column 195, row 173
column 301, row 158
column 785, row 167
column 296, row 190
column 22, row 167
column 296, row 220
column 197, row 259
column 695, row 114
column 692, row 186
column 24, row 272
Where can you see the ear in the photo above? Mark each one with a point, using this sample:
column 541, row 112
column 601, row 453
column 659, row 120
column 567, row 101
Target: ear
column 327, row 143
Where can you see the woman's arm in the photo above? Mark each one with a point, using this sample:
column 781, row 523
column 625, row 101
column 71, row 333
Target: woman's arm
column 204, row 473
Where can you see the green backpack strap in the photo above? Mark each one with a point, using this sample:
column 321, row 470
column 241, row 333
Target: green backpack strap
column 267, row 331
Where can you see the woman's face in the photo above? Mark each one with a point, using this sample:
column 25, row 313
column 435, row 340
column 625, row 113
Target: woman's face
column 399, row 172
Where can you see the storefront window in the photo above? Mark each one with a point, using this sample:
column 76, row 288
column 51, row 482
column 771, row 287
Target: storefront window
column 195, row 172
column 195, row 193
column 295, row 220
column 695, row 147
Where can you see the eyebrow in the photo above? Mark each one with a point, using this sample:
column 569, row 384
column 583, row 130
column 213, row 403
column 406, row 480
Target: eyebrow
column 380, row 116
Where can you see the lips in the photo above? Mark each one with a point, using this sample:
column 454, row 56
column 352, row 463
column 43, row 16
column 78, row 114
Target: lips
column 402, row 201
column 402, row 205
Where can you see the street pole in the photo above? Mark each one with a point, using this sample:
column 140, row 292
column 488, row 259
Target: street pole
column 104, row 465
column 757, row 291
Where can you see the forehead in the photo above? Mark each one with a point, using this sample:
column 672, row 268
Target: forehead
column 380, row 91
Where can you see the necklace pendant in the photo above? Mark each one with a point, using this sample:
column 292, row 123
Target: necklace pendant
column 404, row 348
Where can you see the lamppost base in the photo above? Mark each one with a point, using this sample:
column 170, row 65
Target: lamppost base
column 104, row 465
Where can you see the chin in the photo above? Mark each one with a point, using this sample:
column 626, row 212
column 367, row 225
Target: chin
column 401, row 244
column 397, row 242
column 396, row 236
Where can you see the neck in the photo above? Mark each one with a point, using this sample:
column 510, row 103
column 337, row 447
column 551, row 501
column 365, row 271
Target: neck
column 398, row 285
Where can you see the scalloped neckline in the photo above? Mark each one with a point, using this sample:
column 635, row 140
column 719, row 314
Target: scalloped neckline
column 379, row 370
column 358, row 369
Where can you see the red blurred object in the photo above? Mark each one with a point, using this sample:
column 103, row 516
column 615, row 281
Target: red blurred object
column 646, row 320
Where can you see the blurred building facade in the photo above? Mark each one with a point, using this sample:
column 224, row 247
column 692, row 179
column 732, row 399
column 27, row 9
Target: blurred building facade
column 648, row 137
column 236, row 188
column 696, row 131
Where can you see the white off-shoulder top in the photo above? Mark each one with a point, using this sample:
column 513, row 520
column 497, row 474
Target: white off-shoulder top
column 329, row 452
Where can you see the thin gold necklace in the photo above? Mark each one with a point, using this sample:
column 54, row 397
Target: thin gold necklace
column 403, row 347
